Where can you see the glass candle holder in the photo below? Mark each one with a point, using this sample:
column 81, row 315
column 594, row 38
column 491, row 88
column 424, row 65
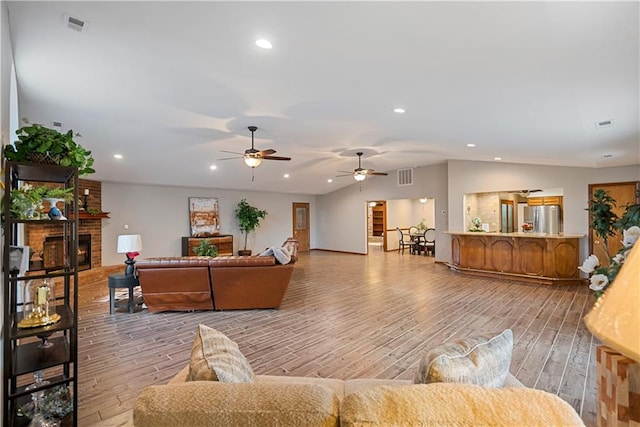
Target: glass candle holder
column 39, row 304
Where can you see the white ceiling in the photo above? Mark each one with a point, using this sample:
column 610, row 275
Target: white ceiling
column 170, row 84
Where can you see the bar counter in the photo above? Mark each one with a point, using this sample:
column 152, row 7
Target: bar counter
column 550, row 259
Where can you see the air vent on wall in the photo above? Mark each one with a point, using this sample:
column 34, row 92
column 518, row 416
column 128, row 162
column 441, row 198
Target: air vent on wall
column 75, row 23
column 57, row 126
column 604, row 124
column 405, row 177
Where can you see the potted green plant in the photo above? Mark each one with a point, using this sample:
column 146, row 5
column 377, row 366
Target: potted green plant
column 26, row 202
column 38, row 144
column 603, row 218
column 249, row 219
column 205, row 248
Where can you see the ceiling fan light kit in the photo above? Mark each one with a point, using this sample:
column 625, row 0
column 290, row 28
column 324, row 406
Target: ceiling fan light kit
column 252, row 157
column 359, row 173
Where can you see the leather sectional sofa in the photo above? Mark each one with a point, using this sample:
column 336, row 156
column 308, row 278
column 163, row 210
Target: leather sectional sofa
column 203, row 283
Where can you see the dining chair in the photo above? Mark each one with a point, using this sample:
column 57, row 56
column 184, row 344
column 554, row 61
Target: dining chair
column 429, row 241
column 413, row 230
column 402, row 242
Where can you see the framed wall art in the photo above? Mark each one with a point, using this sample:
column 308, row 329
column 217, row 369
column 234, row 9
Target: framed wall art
column 204, row 217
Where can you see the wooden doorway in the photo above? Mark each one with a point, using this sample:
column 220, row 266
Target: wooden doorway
column 623, row 193
column 300, row 217
column 377, row 224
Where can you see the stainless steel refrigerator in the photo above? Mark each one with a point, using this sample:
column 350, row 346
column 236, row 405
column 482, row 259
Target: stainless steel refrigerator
column 544, row 219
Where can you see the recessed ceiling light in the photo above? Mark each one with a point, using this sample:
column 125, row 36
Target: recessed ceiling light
column 117, row 156
column 471, row 145
column 213, row 167
column 398, row 110
column 286, row 175
column 329, row 180
column 263, row 43
column 497, row 158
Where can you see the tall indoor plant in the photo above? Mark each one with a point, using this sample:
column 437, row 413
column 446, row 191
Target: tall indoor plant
column 249, row 219
column 39, row 144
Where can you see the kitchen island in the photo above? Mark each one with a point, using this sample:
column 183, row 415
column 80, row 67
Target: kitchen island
column 550, row 259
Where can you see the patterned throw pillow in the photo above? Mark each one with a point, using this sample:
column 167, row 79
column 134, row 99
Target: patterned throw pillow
column 214, row 357
column 482, row 360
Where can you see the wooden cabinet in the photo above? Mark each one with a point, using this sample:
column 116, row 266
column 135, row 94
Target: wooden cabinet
column 550, row 260
column 41, row 325
column 223, row 242
column 378, row 220
column 547, row 200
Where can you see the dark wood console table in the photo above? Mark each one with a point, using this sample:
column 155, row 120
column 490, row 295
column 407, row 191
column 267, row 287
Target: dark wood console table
column 224, row 243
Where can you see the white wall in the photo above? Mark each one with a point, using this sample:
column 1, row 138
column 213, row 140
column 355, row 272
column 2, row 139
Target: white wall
column 6, row 60
column 161, row 215
column 342, row 225
column 473, row 177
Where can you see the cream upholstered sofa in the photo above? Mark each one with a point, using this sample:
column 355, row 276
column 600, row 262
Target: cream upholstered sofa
column 191, row 399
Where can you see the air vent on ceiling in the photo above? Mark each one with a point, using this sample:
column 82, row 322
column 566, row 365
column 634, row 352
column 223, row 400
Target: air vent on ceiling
column 604, row 124
column 75, row 23
column 405, row 177
column 57, row 126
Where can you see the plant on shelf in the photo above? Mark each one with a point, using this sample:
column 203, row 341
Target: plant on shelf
column 604, row 223
column 39, row 144
column 249, row 219
column 26, row 202
column 205, row 248
column 65, row 194
column 422, row 226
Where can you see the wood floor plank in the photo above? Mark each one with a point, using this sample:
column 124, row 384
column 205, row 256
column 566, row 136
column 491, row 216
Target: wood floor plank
column 344, row 316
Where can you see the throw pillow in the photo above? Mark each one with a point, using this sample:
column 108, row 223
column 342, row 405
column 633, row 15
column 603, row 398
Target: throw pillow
column 214, row 357
column 481, row 360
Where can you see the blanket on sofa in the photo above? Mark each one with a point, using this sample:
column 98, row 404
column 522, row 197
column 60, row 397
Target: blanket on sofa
column 281, row 255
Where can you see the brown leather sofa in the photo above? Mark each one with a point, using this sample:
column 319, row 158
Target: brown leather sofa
column 203, row 283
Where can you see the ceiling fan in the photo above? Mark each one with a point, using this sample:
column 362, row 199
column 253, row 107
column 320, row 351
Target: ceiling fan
column 524, row 193
column 359, row 173
column 252, row 157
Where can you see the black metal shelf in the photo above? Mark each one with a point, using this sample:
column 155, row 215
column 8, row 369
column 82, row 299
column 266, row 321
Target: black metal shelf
column 66, row 322
column 29, row 358
column 21, row 354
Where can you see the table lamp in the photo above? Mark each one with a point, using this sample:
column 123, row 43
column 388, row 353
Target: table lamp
column 129, row 244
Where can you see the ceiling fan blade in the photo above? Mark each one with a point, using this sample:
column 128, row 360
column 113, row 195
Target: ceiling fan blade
column 232, row 152
column 275, row 158
column 347, row 174
column 266, row 152
column 230, row 158
column 377, row 173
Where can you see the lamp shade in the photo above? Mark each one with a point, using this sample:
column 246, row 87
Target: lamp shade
column 129, row 243
column 359, row 176
column 615, row 317
column 252, row 162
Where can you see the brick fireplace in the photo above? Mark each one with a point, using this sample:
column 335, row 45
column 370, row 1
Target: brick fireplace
column 41, row 237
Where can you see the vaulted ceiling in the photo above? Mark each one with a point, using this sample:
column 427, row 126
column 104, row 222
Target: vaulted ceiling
column 168, row 85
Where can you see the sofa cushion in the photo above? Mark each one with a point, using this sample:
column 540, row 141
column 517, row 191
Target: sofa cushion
column 482, row 360
column 214, row 357
column 208, row 403
column 455, row 404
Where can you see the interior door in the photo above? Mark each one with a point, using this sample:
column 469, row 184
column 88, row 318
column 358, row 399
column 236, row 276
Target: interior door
column 623, row 193
column 301, row 225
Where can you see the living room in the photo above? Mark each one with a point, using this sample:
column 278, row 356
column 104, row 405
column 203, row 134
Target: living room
column 157, row 208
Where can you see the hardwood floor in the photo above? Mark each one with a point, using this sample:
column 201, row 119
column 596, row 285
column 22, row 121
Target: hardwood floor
column 344, row 316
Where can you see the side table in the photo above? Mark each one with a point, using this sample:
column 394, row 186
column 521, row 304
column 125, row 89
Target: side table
column 121, row 281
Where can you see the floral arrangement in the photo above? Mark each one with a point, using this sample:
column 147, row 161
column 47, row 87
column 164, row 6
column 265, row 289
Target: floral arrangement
column 477, row 224
column 603, row 276
column 605, row 223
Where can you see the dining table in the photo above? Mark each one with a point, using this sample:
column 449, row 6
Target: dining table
column 418, row 240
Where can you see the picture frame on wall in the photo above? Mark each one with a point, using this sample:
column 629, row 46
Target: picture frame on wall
column 204, row 216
